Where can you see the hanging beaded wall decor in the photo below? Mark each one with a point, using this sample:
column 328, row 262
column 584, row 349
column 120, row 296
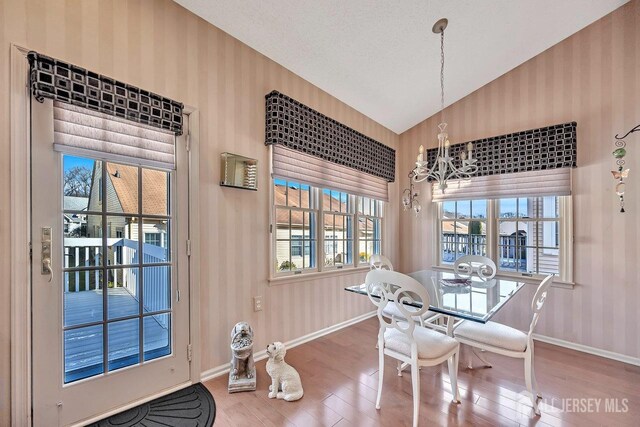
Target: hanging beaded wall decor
column 621, row 173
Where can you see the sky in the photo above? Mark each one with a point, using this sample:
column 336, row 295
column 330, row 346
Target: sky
column 72, row 161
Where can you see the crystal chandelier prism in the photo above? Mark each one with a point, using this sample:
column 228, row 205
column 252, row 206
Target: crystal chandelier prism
column 444, row 168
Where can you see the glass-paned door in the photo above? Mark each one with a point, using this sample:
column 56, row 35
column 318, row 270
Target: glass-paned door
column 110, row 312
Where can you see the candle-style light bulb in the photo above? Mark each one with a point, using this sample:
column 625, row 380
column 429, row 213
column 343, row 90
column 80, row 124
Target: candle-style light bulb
column 421, row 155
column 421, row 149
column 447, row 143
column 470, row 146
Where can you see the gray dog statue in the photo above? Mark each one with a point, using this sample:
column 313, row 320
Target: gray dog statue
column 242, row 375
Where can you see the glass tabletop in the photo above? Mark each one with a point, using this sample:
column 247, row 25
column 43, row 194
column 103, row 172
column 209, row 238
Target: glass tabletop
column 465, row 297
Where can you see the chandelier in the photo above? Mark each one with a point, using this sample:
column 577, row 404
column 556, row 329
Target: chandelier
column 443, row 168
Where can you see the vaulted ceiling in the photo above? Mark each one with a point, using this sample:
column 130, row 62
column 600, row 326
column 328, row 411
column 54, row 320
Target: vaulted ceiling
column 381, row 57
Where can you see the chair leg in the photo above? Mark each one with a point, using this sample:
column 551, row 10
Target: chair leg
column 481, row 357
column 399, row 368
column 453, row 376
column 533, row 374
column 380, row 375
column 415, row 383
column 528, row 371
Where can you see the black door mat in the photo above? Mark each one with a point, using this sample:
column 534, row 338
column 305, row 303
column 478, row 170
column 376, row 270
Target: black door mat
column 190, row 407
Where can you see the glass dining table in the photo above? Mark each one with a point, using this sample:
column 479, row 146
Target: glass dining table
column 462, row 297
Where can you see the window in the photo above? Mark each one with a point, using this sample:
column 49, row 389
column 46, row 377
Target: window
column 295, row 226
column 338, row 215
column 463, row 229
column 521, row 235
column 315, row 229
column 369, row 227
column 153, row 239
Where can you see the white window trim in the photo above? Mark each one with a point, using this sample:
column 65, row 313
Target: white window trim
column 276, row 277
column 565, row 240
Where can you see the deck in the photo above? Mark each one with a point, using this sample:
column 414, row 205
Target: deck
column 83, row 347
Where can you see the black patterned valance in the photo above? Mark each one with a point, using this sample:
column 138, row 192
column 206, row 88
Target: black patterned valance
column 298, row 127
column 51, row 78
column 550, row 147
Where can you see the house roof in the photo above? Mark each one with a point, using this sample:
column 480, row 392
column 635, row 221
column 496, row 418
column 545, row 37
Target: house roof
column 125, row 183
column 76, row 203
column 282, row 215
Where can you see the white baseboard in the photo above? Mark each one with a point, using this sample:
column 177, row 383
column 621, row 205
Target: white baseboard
column 262, row 354
column 587, row 349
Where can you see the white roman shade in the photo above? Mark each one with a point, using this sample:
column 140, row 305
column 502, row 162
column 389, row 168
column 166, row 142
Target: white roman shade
column 297, row 166
column 84, row 132
column 549, row 182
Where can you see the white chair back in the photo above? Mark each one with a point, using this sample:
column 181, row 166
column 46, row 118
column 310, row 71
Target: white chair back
column 467, row 265
column 538, row 301
column 390, row 287
column 380, row 262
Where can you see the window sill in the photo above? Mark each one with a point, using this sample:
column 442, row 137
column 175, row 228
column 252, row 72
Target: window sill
column 535, row 279
column 316, row 275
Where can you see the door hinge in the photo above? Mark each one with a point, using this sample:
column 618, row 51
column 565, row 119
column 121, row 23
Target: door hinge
column 188, row 140
column 271, row 228
column 189, row 352
column 178, row 295
column 30, row 252
column 188, row 247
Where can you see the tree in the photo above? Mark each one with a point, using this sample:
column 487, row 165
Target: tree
column 77, row 181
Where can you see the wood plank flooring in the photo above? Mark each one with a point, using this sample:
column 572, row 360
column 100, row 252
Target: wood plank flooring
column 340, row 376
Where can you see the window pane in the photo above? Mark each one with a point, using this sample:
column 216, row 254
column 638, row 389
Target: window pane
column 293, row 195
column 79, row 179
column 508, row 208
column 529, row 230
column 82, row 297
column 155, row 194
column 550, row 207
column 122, row 188
column 305, row 194
column 479, row 208
column 124, row 343
column 122, row 240
column 156, row 294
column 156, row 336
column 156, row 247
column 280, row 192
column 83, row 353
column 283, row 262
column 283, row 218
column 82, row 240
column 463, row 208
column 550, row 234
column 448, row 210
column 512, row 259
column 525, row 208
column 362, row 251
column 326, row 200
column 123, row 292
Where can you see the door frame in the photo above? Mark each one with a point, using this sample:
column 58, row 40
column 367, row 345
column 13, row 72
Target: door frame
column 20, row 264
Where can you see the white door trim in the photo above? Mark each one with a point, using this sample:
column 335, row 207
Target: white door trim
column 20, row 262
column 20, row 284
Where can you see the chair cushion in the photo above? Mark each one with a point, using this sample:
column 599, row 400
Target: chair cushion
column 392, row 310
column 431, row 344
column 493, row 334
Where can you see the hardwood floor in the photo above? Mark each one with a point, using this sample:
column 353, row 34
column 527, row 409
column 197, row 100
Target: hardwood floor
column 339, row 376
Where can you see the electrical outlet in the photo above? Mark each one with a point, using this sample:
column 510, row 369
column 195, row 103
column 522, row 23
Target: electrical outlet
column 257, row 303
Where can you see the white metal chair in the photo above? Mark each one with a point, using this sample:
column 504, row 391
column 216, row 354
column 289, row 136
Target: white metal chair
column 505, row 340
column 467, row 265
column 405, row 340
column 380, row 262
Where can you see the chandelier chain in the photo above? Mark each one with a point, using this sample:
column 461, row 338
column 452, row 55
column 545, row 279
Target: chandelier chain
column 442, row 75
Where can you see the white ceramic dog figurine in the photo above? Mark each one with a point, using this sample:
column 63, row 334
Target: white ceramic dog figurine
column 285, row 381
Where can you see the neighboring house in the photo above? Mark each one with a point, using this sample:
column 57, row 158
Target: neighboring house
column 74, row 222
column 122, row 198
column 302, row 235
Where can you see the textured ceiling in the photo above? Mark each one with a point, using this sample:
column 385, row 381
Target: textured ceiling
column 381, row 58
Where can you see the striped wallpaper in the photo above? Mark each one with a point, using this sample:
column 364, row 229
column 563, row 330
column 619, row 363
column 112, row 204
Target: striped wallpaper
column 592, row 78
column 159, row 46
